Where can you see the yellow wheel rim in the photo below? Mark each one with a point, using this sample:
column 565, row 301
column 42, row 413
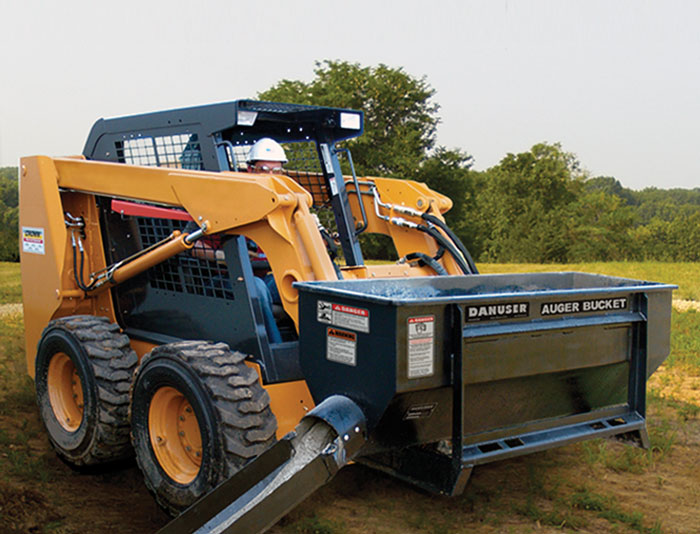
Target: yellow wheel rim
column 65, row 392
column 175, row 436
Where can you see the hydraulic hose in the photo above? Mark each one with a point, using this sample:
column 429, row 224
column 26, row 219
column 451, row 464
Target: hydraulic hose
column 427, row 260
column 456, row 240
column 79, row 279
column 78, row 282
column 451, row 243
column 444, row 242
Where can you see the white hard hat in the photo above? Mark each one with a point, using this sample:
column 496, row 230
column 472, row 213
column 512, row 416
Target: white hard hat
column 267, row 149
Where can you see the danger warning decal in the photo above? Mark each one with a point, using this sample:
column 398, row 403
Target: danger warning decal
column 33, row 240
column 341, row 346
column 419, row 411
column 342, row 315
column 505, row 310
column 421, row 341
column 583, row 306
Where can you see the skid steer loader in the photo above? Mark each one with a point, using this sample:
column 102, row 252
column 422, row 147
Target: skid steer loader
column 146, row 331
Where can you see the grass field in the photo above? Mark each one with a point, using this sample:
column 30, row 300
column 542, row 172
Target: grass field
column 10, row 285
column 594, row 487
column 685, row 275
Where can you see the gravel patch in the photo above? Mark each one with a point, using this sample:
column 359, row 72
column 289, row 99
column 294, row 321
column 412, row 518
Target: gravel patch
column 10, row 309
column 685, row 305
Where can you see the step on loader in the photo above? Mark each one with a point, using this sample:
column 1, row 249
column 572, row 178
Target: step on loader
column 185, row 310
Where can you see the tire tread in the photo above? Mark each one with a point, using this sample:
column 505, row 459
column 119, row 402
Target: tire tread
column 245, row 430
column 113, row 362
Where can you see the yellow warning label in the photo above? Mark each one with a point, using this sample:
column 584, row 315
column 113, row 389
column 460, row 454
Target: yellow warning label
column 341, row 346
column 33, row 240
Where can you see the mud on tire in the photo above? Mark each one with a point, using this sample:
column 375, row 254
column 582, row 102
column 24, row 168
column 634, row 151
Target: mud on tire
column 84, row 369
column 233, row 418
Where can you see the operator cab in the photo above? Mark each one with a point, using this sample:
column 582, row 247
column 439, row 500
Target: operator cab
column 189, row 297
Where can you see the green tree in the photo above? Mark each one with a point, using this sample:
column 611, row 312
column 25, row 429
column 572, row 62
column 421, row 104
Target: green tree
column 523, row 204
column 684, row 237
column 400, row 118
column 9, row 214
column 611, row 186
column 665, row 204
column 652, row 241
column 600, row 230
column 400, row 122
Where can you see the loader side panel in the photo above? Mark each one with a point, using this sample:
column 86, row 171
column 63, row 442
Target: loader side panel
column 42, row 248
column 47, row 267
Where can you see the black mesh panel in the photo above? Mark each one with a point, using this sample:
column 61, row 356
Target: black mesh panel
column 194, row 271
column 305, row 167
column 182, row 151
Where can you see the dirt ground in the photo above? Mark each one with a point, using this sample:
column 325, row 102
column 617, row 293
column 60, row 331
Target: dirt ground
column 595, row 487
column 667, row 492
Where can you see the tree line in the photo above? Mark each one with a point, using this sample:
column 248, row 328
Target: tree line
column 537, row 206
column 9, row 214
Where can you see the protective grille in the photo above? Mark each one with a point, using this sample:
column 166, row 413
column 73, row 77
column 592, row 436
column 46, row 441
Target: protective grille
column 187, row 272
column 237, row 155
column 182, row 151
column 304, row 166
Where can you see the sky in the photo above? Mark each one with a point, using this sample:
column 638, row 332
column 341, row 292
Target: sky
column 616, row 82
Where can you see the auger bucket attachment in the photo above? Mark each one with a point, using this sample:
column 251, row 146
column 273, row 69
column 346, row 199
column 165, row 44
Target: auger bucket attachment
column 428, row 377
column 453, row 372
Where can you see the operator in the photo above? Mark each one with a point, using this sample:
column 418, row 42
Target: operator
column 266, row 156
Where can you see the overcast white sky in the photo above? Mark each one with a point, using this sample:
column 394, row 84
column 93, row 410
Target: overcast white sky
column 616, row 82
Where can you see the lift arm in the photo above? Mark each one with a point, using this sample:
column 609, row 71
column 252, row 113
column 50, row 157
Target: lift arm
column 399, row 208
column 271, row 210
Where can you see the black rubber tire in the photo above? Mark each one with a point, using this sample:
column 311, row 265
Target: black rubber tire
column 105, row 364
column 232, row 410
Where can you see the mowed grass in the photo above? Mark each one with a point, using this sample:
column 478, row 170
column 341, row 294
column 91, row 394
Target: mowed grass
column 17, row 391
column 685, row 341
column 17, row 388
column 10, row 285
column 685, row 275
column 17, row 397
